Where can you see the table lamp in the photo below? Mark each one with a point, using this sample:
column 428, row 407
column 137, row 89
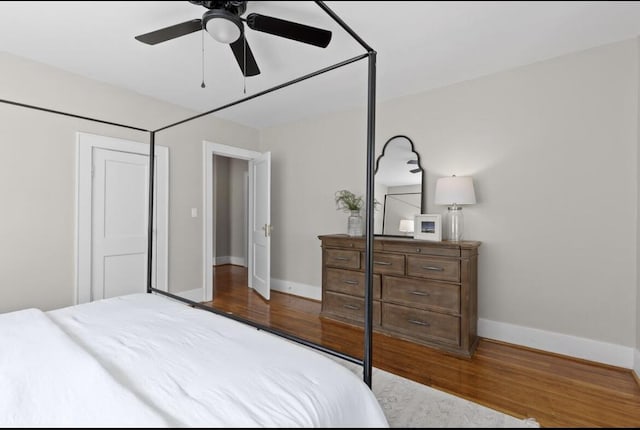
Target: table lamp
column 406, row 226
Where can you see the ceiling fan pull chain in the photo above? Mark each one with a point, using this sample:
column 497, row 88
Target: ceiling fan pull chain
column 202, row 85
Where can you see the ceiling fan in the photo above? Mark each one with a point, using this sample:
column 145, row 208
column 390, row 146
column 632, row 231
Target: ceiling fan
column 224, row 23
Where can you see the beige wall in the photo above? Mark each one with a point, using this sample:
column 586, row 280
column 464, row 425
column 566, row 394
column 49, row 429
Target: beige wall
column 637, row 350
column 37, row 221
column 552, row 148
column 34, row 83
column 311, row 160
column 237, row 208
column 37, row 177
column 221, row 204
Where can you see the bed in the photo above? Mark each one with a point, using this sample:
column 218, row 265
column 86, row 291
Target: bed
column 149, row 361
column 145, row 360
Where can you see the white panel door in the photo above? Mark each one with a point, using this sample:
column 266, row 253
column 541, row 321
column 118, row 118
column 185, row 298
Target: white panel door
column 119, row 223
column 260, row 224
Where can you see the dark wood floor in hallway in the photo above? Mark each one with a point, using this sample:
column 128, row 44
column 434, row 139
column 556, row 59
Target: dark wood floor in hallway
column 557, row 391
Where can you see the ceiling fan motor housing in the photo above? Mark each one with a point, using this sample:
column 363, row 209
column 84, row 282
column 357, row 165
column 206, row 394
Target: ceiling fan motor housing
column 236, row 7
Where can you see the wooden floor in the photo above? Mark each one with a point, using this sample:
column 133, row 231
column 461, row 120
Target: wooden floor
column 557, row 391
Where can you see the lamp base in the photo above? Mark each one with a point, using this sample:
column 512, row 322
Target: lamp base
column 455, row 223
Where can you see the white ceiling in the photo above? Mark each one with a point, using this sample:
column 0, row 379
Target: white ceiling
column 420, row 45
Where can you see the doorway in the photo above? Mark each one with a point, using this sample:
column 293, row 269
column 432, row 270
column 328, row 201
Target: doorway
column 257, row 227
column 230, row 206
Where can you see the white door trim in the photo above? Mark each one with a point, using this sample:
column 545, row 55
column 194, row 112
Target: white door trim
column 85, row 143
column 208, row 151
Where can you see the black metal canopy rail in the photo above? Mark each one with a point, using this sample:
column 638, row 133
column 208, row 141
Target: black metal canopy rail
column 366, row 362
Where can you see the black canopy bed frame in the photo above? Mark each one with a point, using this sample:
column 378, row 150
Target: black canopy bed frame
column 370, row 54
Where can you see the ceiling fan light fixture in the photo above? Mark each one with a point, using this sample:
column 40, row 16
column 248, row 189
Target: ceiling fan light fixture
column 222, row 25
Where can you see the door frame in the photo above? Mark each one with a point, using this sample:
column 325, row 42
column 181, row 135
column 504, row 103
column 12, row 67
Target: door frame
column 85, row 143
column 209, row 149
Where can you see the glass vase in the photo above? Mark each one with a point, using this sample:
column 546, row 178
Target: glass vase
column 354, row 224
column 455, row 221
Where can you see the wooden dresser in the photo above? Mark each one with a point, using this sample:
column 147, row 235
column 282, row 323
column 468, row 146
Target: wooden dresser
column 423, row 291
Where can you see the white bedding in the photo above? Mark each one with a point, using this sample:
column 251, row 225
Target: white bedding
column 46, row 380
column 195, row 368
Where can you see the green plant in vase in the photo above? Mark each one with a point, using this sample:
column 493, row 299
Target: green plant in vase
column 347, row 201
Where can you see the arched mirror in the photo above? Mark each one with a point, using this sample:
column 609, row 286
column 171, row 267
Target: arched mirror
column 399, row 181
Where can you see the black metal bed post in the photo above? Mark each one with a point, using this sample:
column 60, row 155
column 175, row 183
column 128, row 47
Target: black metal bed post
column 152, row 164
column 371, row 148
column 370, row 204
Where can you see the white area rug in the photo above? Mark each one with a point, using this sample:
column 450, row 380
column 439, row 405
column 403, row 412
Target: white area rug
column 407, row 403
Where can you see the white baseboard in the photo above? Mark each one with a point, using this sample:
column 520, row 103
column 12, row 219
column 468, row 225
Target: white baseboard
column 588, row 349
column 636, row 363
column 218, row 261
column 229, row 259
column 298, row 289
column 196, row 295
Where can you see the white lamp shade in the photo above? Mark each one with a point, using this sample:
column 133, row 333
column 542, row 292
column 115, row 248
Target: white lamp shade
column 406, row 225
column 223, row 30
column 455, row 190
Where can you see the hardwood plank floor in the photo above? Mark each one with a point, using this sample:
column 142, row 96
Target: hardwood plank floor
column 557, row 391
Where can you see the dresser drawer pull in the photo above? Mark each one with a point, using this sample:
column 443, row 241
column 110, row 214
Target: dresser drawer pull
column 351, row 282
column 420, row 293
column 417, row 322
column 382, row 263
column 433, row 268
column 353, row 307
column 341, row 258
column 418, row 249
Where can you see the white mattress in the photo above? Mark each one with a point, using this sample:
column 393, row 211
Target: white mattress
column 194, row 368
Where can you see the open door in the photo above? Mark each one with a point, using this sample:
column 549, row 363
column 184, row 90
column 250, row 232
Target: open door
column 260, row 224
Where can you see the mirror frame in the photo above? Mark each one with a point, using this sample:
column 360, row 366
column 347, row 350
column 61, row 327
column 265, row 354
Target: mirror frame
column 423, row 197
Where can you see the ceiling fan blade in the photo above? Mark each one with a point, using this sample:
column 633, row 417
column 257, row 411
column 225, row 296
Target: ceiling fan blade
column 238, row 48
column 290, row 30
column 171, row 32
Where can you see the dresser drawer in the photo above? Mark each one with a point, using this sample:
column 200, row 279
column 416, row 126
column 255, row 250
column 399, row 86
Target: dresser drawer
column 348, row 307
column 344, row 242
column 421, row 248
column 436, row 296
column 342, row 258
column 433, row 268
column 389, row 264
column 350, row 282
column 422, row 325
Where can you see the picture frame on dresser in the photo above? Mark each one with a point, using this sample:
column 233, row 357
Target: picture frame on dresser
column 428, row 227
